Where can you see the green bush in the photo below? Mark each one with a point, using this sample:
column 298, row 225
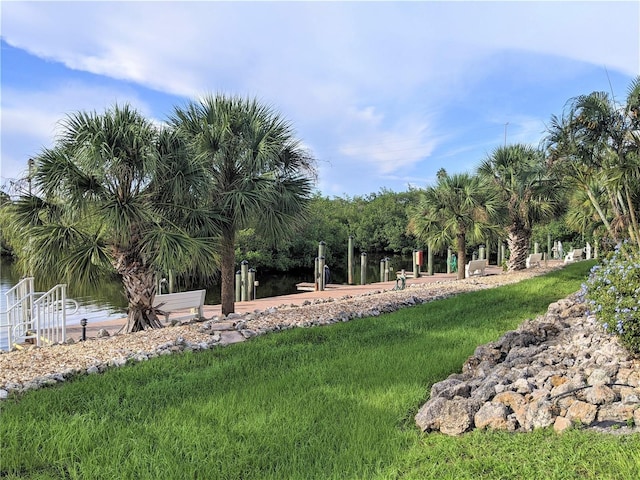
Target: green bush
column 613, row 294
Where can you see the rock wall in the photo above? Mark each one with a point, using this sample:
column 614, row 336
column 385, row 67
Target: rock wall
column 559, row 370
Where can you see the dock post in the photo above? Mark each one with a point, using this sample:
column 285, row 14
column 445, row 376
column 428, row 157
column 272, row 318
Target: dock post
column 250, row 284
column 238, row 285
column 350, row 261
column 387, row 261
column 448, row 259
column 363, row 268
column 321, row 273
column 244, row 271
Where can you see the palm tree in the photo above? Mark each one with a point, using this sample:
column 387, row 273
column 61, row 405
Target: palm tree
column 599, row 142
column 530, row 194
column 117, row 193
column 458, row 208
column 260, row 174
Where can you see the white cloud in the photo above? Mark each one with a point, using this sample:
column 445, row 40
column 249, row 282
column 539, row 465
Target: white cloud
column 31, row 119
column 363, row 82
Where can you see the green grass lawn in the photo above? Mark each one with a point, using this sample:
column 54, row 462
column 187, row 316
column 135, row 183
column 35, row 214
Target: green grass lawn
column 327, row 402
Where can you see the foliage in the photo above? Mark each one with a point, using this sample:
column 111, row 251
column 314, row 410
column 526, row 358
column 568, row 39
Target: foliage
column 558, row 230
column 459, row 208
column 613, row 291
column 377, row 222
column 260, row 176
column 529, row 193
column 115, row 193
column 595, row 144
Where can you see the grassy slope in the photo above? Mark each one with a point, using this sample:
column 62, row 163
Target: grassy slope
column 333, row 402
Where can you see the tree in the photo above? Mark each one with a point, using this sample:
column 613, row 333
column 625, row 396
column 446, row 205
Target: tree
column 458, row 208
column 529, row 192
column 598, row 142
column 260, row 175
column 115, row 192
column 379, row 221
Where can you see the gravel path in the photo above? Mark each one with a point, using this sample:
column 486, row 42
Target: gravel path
column 34, row 367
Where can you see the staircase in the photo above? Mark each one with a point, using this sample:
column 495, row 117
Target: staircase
column 36, row 317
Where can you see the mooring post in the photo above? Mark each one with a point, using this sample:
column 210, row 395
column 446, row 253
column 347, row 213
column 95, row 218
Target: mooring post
column 350, row 261
column 363, row 268
column 238, row 286
column 321, row 273
column 429, row 260
column 448, row 259
column 250, row 284
column 415, row 264
column 244, row 269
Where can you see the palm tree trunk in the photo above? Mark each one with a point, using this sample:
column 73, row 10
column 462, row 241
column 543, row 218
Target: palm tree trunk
column 632, row 213
column 227, row 270
column 139, row 284
column 601, row 214
column 518, row 240
column 462, row 255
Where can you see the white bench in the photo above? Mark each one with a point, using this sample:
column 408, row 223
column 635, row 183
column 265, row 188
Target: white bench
column 534, row 260
column 574, row 255
column 173, row 302
column 406, row 274
column 474, row 267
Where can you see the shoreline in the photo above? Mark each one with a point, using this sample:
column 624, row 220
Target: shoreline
column 34, row 367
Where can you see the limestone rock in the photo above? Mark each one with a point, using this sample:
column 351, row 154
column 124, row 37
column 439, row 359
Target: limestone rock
column 492, row 415
column 582, row 411
column 600, row 395
column 450, row 388
column 457, row 416
column 561, row 424
column 428, row 417
column 102, row 333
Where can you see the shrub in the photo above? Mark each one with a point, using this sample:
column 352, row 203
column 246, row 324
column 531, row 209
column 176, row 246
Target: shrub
column 612, row 292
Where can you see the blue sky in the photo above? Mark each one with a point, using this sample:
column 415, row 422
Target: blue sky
column 382, row 93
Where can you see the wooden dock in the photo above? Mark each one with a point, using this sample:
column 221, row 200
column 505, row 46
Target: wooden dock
column 311, row 287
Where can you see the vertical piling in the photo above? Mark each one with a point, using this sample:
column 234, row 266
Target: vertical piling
column 321, row 273
column 171, row 281
column 244, row 272
column 449, row 259
column 250, row 284
column 350, row 261
column 363, row 268
column 238, row 286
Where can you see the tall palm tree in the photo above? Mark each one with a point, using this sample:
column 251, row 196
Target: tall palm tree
column 260, row 174
column 530, row 193
column 458, row 208
column 116, row 193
